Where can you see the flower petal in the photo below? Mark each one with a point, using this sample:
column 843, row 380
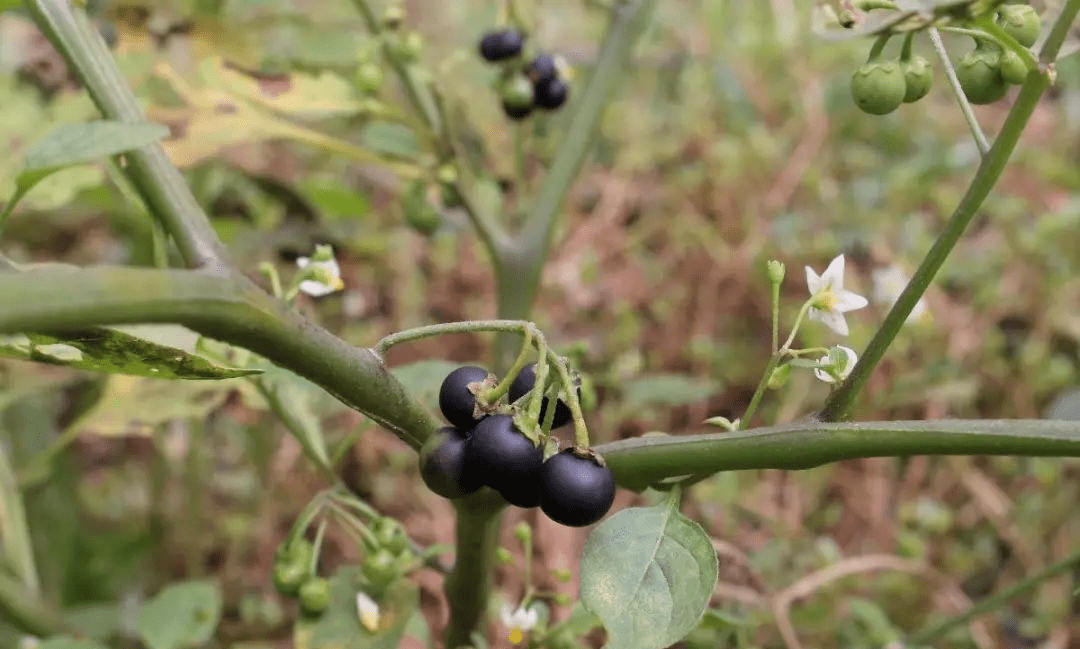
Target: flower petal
column 834, row 274
column 834, row 320
column 813, row 282
column 368, row 611
column 849, row 301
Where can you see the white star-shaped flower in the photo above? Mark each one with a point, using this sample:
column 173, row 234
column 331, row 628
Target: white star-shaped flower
column 519, row 620
column 324, row 272
column 830, row 300
column 834, row 370
column 368, row 611
column 889, row 283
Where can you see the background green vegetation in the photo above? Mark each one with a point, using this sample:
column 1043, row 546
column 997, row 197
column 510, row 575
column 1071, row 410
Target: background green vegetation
column 734, row 142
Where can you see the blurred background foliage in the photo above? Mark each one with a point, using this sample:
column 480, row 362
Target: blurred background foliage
column 733, row 141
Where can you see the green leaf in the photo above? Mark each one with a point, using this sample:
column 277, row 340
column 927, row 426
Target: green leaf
column 648, row 574
column 182, row 615
column 339, row 626
column 667, row 390
column 67, row 642
column 424, row 378
column 390, row 139
column 74, row 144
column 10, row 4
column 115, row 351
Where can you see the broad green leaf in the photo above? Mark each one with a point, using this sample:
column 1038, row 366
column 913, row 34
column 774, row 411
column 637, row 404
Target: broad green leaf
column 68, row 642
column 648, row 574
column 133, row 405
column 182, row 615
column 339, row 626
column 80, row 143
column 391, row 139
column 667, row 390
column 115, row 351
column 97, row 621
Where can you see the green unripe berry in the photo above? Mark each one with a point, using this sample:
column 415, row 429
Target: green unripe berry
column 1013, row 68
column 393, row 16
column 391, row 535
column 918, row 76
column 517, row 92
column 410, row 46
column 1021, row 22
column 979, row 73
column 315, row 596
column 419, row 213
column 878, row 87
column 288, row 577
column 369, row 77
column 380, row 569
column 300, row 552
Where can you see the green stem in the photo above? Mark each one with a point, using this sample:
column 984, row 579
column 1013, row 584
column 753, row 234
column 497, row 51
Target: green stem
column 518, row 266
column 643, row 461
column 520, row 362
column 759, row 391
column 232, row 310
column 878, row 46
column 961, row 99
column 429, row 331
column 157, row 180
column 840, row 402
column 1004, row 39
column 27, row 612
column 931, row 635
column 468, row 586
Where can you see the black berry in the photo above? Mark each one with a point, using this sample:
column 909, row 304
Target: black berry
column 550, row 93
column 541, row 68
column 503, row 457
column 574, row 490
column 523, row 382
column 457, row 402
column 516, row 112
column 501, row 45
column 443, row 467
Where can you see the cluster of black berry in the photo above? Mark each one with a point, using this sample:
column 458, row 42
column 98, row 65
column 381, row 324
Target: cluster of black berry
column 483, row 448
column 538, row 83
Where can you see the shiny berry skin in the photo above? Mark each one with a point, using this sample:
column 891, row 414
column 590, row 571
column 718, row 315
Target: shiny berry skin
column 918, row 77
column 442, row 464
column 1022, row 22
column 541, row 68
column 878, row 87
column 501, row 45
column 524, row 494
column 550, row 93
column 502, row 456
column 457, row 403
column 523, row 382
column 315, row 596
column 289, row 576
column 1013, row 68
column 574, row 490
column 979, row 73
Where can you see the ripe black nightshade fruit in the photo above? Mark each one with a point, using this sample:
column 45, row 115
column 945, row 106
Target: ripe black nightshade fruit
column 541, row 68
column 550, row 93
column 523, row 382
column 501, row 45
column 443, row 464
column 500, row 455
column 575, row 491
column 455, row 400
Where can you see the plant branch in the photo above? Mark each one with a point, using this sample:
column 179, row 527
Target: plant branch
column 961, row 99
column 640, row 462
column 468, row 586
column 27, row 612
column 840, row 403
column 235, row 311
column 155, row 177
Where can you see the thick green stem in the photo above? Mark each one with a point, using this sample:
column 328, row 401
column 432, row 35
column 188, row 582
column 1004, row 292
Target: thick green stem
column 232, row 310
column 468, row 587
column 155, row 177
column 840, row 403
column 640, row 462
column 27, row 612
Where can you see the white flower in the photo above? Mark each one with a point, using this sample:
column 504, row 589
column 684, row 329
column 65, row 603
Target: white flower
column 830, row 300
column 368, row 611
column 889, row 283
column 29, row 642
column 323, row 270
column 519, row 621
column 836, row 365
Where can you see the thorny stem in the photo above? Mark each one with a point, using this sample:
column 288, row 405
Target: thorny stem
column 961, row 99
column 842, row 400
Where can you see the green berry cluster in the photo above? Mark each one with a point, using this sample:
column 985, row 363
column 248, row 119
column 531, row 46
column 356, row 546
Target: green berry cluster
column 539, row 83
column 293, row 576
column 387, row 555
column 483, row 447
column 881, row 85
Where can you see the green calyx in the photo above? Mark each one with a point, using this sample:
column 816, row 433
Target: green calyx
column 878, row 87
column 1013, row 68
column 1021, row 22
column 918, row 77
